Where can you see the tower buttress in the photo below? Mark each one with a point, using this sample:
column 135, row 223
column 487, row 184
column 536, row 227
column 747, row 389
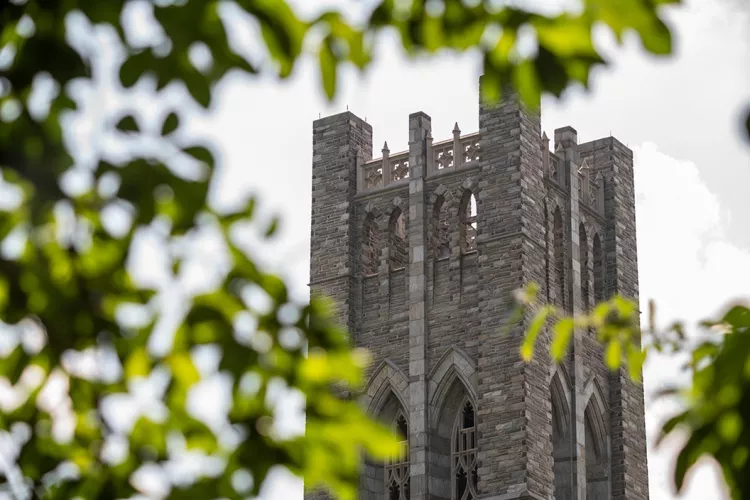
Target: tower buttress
column 338, row 142
column 514, row 430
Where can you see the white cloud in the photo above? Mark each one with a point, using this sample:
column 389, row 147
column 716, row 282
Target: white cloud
column 690, row 270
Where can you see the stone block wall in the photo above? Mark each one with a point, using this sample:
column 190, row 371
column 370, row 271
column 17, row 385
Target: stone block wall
column 439, row 329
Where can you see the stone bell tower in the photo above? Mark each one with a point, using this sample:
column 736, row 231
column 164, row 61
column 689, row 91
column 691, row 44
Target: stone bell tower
column 422, row 250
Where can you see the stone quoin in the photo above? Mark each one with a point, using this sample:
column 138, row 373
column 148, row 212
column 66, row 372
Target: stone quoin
column 422, row 250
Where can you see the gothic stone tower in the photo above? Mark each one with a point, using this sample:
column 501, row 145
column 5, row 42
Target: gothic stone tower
column 422, row 251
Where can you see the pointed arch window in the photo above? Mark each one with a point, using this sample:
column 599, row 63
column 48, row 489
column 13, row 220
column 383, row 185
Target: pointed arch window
column 370, row 247
column 440, row 230
column 464, row 454
column 562, row 451
column 559, row 249
column 597, row 453
column 397, row 467
column 598, row 269
column 397, row 245
column 468, row 217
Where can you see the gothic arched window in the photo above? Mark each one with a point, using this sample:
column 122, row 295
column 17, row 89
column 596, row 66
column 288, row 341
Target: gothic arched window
column 598, row 270
column 559, row 249
column 370, row 246
column 441, row 247
column 597, row 453
column 583, row 246
column 397, row 247
column 468, row 217
column 562, row 451
column 397, row 468
column 464, row 454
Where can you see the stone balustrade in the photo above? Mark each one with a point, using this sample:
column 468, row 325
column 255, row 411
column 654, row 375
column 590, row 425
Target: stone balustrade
column 392, row 169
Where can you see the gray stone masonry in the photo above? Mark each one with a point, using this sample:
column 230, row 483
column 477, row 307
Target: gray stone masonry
column 561, row 215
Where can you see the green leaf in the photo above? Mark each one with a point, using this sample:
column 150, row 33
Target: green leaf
column 738, row 316
column 730, row 427
column 636, row 358
column 327, row 67
column 138, row 364
column 659, row 39
column 563, row 332
column 272, row 227
column 612, row 354
column 201, row 154
column 134, row 66
column 127, row 124
column 527, row 347
column 183, row 369
column 566, row 35
column 199, row 87
column 170, row 124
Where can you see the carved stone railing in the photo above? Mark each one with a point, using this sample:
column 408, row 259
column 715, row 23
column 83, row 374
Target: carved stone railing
column 399, row 166
column 456, row 152
column 383, row 171
column 370, row 175
column 391, row 169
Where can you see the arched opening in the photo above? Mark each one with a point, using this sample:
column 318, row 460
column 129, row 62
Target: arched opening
column 389, row 480
column 583, row 246
column 468, row 219
column 454, row 447
column 597, row 454
column 464, row 454
column 370, row 246
column 398, row 250
column 441, row 237
column 559, row 249
column 397, row 467
column 562, row 448
column 598, row 270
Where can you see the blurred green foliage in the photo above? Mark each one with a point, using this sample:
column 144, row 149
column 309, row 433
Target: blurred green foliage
column 65, row 285
column 715, row 402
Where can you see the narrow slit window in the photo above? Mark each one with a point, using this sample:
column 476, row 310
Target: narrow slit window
column 469, row 223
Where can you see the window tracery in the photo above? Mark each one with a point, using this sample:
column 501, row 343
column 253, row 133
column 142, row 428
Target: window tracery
column 397, row 467
column 464, row 454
